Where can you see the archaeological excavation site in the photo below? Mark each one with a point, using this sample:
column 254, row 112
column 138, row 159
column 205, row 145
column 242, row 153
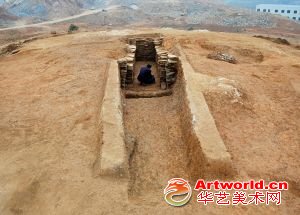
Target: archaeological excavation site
column 80, row 134
column 156, row 132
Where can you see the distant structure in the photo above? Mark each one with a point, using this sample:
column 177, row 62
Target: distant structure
column 290, row 11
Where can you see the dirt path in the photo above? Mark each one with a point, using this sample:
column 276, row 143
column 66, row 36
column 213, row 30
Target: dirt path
column 85, row 13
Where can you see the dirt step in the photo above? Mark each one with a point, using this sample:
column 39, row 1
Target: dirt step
column 147, row 94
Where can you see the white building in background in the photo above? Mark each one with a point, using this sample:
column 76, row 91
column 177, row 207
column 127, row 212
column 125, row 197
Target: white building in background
column 290, row 11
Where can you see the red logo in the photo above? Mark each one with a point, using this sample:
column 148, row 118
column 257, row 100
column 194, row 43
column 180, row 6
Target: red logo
column 178, row 187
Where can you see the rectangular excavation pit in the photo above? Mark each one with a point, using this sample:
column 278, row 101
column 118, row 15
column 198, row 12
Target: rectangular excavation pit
column 174, row 137
column 143, row 51
column 166, row 137
column 153, row 124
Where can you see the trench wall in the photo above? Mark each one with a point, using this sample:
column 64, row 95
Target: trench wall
column 112, row 159
column 194, row 154
column 206, row 151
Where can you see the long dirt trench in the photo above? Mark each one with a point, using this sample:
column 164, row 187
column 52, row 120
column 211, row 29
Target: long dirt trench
column 169, row 136
column 159, row 154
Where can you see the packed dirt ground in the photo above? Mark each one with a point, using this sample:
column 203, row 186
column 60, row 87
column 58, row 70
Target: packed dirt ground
column 50, row 129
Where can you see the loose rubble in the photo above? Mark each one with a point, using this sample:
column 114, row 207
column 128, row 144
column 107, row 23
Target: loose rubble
column 222, row 57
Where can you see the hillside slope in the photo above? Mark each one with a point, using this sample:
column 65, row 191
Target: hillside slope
column 165, row 13
column 6, row 18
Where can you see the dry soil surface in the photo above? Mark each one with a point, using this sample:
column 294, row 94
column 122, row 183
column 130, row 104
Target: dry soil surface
column 50, row 130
